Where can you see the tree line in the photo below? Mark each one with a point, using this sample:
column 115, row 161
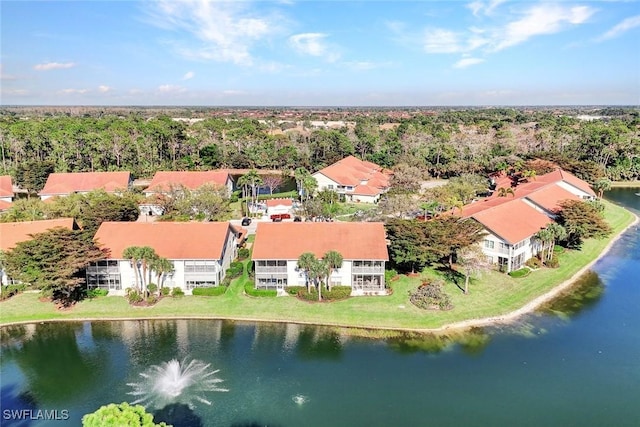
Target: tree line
column 445, row 143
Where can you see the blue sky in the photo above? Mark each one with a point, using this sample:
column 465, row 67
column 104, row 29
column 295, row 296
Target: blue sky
column 320, row 53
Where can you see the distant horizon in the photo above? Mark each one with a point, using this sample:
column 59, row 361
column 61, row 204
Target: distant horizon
column 272, row 53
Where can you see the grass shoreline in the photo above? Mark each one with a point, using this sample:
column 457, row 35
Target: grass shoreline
column 493, row 299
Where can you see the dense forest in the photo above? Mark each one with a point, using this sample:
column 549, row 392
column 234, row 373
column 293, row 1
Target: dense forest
column 441, row 143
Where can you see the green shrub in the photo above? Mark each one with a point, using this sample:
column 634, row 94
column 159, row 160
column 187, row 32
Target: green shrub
column 210, row 291
column 235, row 270
column 133, row 296
column 235, row 196
column 534, row 263
column 520, row 273
column 152, row 299
column 557, row 249
column 177, row 292
column 553, row 262
column 165, row 291
column 243, row 253
column 294, row 290
column 250, row 290
column 389, row 275
column 152, row 287
column 97, row 292
column 430, row 296
column 336, row 293
column 10, row 290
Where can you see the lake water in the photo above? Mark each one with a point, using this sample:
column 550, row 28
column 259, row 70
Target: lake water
column 574, row 363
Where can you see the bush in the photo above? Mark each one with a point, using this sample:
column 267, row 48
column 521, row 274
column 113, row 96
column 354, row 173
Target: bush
column 337, row 293
column 553, row 262
column 243, row 253
column 133, row 296
column 534, row 263
column 235, row 196
column 177, row 292
column 520, row 273
column 165, row 291
column 97, row 292
column 294, row 290
column 152, row 287
column 430, row 296
column 250, row 290
column 389, row 275
column 10, row 290
column 210, row 291
column 235, row 270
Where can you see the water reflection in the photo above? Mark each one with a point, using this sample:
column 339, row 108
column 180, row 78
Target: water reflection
column 583, row 295
column 60, row 362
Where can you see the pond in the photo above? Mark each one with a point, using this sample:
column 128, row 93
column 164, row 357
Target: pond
column 575, row 362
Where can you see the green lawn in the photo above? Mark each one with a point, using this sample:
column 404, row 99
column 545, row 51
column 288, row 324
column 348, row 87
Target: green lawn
column 493, row 294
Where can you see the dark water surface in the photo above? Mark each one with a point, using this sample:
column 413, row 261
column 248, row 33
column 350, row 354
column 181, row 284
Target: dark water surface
column 574, row 363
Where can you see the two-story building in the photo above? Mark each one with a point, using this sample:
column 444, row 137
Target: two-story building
column 200, row 253
column 511, row 220
column 64, row 184
column 278, row 246
column 164, row 182
column 354, row 179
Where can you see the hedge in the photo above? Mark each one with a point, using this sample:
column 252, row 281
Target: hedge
column 210, row 291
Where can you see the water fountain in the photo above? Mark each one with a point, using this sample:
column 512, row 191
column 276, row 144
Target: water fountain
column 175, row 382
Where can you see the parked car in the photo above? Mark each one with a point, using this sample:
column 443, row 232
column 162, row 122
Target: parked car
column 297, row 219
column 276, row 218
column 246, row 221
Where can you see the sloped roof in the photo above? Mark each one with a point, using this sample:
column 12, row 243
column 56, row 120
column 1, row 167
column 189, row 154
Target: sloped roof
column 4, row 205
column 512, row 221
column 550, row 196
column 365, row 190
column 171, row 240
column 272, row 203
column 71, row 182
column 163, row 180
column 562, row 175
column 12, row 233
column 352, row 171
column 6, row 186
column 289, row 240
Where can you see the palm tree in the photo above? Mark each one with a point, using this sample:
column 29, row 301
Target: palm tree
column 333, row 261
column 309, row 185
column 299, row 175
column 557, row 232
column 162, row 267
column 504, row 191
column 132, row 254
column 305, row 262
column 316, row 272
column 601, row 186
column 546, row 237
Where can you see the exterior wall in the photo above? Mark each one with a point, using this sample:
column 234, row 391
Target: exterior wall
column 513, row 256
column 279, row 209
column 123, row 275
column 8, row 199
column 364, row 198
column 575, row 190
column 325, row 182
column 362, row 279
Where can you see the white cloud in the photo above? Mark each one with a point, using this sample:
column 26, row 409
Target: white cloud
column 467, row 62
column 313, row 44
column 171, row 89
column 541, row 19
column 622, row 27
column 189, row 75
column 486, row 8
column 104, row 89
column 225, row 31
column 4, row 76
column 16, row 92
column 53, row 66
column 73, row 91
column 442, row 41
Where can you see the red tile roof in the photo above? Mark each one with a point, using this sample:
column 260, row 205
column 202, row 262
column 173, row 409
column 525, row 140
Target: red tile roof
column 550, row 196
column 163, row 180
column 512, row 221
column 72, row 182
column 6, row 186
column 12, row 233
column 272, row 203
column 172, row 240
column 353, row 171
column 289, row 240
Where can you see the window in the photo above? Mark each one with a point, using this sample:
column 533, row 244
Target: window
column 199, row 266
column 489, row 244
column 191, row 284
